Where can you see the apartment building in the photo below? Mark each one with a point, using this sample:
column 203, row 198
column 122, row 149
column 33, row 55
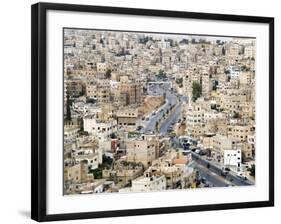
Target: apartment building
column 78, row 173
column 149, row 182
column 99, row 90
column 74, row 87
column 221, row 143
column 143, row 151
column 99, row 127
column 127, row 118
column 241, row 132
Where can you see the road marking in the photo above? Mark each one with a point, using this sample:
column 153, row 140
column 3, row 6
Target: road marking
column 216, row 175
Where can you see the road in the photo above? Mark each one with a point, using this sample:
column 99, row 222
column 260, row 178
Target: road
column 171, row 99
column 231, row 176
column 212, row 178
column 172, row 119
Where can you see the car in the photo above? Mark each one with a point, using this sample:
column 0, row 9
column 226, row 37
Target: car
column 224, row 173
column 172, row 134
column 149, row 132
column 186, row 152
column 170, row 129
column 230, row 185
column 203, row 180
column 185, row 146
column 241, row 176
column 202, row 153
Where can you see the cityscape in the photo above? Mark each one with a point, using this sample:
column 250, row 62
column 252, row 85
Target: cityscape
column 148, row 112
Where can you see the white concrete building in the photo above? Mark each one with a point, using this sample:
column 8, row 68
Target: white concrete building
column 149, row 183
column 232, row 158
column 98, row 127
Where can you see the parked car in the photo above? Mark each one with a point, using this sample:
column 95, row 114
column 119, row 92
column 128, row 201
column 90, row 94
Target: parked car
column 241, row 176
column 202, row 153
column 170, row 129
column 193, row 149
column 203, row 180
column 224, row 173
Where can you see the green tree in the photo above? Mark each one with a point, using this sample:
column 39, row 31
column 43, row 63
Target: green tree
column 161, row 74
column 179, row 81
column 223, row 51
column 252, row 170
column 236, row 115
column 81, row 124
column 83, row 91
column 97, row 173
column 157, row 126
column 196, row 91
column 68, row 111
column 107, row 160
column 108, row 74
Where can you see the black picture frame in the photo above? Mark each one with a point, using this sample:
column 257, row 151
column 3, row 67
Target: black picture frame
column 39, row 108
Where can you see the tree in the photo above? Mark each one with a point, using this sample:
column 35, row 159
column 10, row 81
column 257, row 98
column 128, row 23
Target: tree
column 236, row 115
column 107, row 160
column 157, row 126
column 196, row 91
column 252, row 170
column 68, row 111
column 97, row 173
column 179, row 81
column 108, row 74
column 161, row 74
column 83, row 91
column 113, row 135
column 223, row 51
column 81, row 124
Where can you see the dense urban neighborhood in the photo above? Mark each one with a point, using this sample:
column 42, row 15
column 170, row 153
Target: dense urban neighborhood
column 153, row 112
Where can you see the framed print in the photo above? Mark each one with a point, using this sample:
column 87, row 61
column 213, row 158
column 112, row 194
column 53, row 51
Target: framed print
column 140, row 111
